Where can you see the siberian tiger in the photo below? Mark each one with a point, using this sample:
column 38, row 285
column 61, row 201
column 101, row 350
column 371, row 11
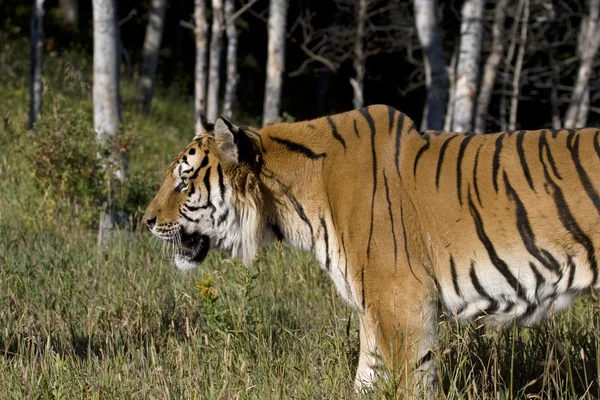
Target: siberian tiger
column 499, row 226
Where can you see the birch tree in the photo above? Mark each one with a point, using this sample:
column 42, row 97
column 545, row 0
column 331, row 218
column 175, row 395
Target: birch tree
column 275, row 59
column 359, row 58
column 589, row 42
column 216, row 42
column 512, row 121
column 154, row 32
column 467, row 69
column 200, row 33
column 232, row 74
column 37, row 50
column 491, row 66
column 436, row 77
column 105, row 93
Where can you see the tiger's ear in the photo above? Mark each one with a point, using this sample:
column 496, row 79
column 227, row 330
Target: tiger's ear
column 203, row 126
column 225, row 133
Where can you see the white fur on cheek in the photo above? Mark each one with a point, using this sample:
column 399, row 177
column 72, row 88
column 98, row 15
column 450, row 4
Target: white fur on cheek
column 184, row 264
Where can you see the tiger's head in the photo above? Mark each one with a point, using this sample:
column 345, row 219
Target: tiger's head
column 210, row 197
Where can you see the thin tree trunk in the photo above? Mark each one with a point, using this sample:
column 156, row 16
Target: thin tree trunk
column 200, row 32
column 154, row 32
column 216, row 44
column 512, row 121
column 275, row 60
column 590, row 42
column 471, row 30
column 359, row 58
column 507, row 60
column 436, row 77
column 491, row 66
column 36, row 53
column 70, row 12
column 232, row 74
column 452, row 90
column 106, row 98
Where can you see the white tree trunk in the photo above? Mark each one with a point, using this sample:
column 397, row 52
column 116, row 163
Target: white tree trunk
column 216, row 44
column 359, row 58
column 452, row 90
column 471, row 30
column 70, row 12
column 232, row 74
column 154, row 32
column 512, row 121
column 275, row 59
column 590, row 40
column 200, row 32
column 491, row 66
column 105, row 93
column 436, row 77
column 36, row 53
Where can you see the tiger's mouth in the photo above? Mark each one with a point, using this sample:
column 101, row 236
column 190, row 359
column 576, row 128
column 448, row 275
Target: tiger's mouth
column 192, row 251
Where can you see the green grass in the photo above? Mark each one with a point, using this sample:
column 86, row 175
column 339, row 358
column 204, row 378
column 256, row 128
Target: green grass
column 77, row 321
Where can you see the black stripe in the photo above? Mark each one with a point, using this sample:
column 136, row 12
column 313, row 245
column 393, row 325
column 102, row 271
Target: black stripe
column 496, row 162
column 539, row 278
column 355, row 129
column 499, row 263
column 221, row 181
column 399, row 129
column 365, row 113
column 573, row 146
column 188, row 218
column 441, row 160
column 572, row 269
column 335, row 133
column 420, row 153
column 426, row 358
column 493, row 306
column 206, row 182
column 526, row 232
column 596, row 144
column 406, row 243
column 461, row 154
column 326, row 238
column 203, row 164
column 387, row 196
column 475, row 184
column 544, row 144
column 192, row 208
column 298, row 148
column 521, row 152
column 391, row 111
column 568, row 221
column 362, row 278
column 267, row 173
column 454, row 277
column 223, row 217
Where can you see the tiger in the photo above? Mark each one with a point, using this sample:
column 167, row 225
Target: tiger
column 501, row 227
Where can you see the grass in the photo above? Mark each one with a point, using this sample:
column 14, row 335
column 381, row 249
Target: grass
column 77, row 321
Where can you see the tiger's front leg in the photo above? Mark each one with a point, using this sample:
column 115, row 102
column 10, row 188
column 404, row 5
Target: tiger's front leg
column 369, row 361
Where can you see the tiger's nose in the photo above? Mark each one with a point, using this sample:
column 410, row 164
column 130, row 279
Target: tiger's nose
column 150, row 221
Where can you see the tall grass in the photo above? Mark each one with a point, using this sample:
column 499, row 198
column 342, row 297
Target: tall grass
column 77, row 321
